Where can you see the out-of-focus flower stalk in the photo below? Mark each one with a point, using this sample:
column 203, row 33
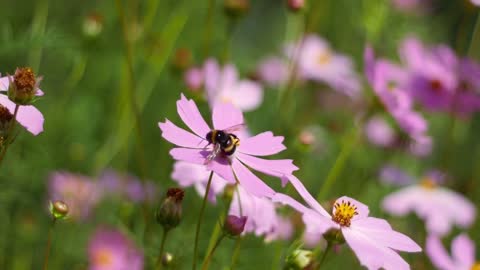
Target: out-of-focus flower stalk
column 58, row 210
column 206, row 263
column 324, row 255
column 348, row 142
column 37, row 31
column 236, row 252
column 11, row 128
column 49, row 244
column 207, row 34
column 162, row 248
column 199, row 222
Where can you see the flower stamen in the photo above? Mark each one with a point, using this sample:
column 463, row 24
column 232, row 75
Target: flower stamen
column 344, row 212
column 475, row 266
column 324, row 58
column 428, row 183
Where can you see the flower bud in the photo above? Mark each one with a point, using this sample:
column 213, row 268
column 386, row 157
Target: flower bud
column 22, row 89
column 182, row 59
column 170, row 212
column 299, row 259
column 92, row 25
column 58, row 209
column 236, row 8
column 295, row 5
column 234, row 225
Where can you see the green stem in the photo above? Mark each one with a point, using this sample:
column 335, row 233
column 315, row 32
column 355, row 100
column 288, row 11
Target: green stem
column 49, row 244
column 208, row 28
column 11, row 128
column 236, row 252
column 349, row 141
column 199, row 222
column 324, row 255
column 210, row 255
column 162, row 246
column 37, row 32
column 475, row 39
column 132, row 90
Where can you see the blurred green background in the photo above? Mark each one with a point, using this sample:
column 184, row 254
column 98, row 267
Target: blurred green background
column 90, row 124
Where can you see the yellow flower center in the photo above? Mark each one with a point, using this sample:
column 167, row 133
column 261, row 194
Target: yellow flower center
column 343, row 213
column 103, row 257
column 475, row 266
column 324, row 58
column 428, row 183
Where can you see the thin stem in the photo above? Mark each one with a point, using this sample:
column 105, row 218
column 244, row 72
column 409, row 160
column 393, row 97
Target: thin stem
column 324, row 255
column 210, row 255
column 475, row 38
column 347, row 146
column 132, row 96
column 9, row 133
column 199, row 222
column 49, row 244
column 208, row 28
column 236, row 252
column 162, row 246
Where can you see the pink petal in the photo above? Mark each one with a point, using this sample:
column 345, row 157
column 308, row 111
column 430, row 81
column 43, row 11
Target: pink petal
column 225, row 116
column 362, row 209
column 187, row 174
column 380, row 231
column 437, row 254
column 275, row 167
column 401, row 202
column 222, row 167
column 28, row 116
column 250, row 181
column 212, row 79
column 463, row 250
column 179, row 136
column 188, row 111
column 247, row 96
column 371, row 254
column 196, row 156
column 287, row 200
column 307, row 197
column 4, row 83
column 263, row 144
column 439, row 224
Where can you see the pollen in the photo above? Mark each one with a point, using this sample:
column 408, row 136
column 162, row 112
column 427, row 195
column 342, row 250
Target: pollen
column 428, row 183
column 475, row 266
column 324, row 58
column 343, row 213
column 24, row 79
column 104, row 257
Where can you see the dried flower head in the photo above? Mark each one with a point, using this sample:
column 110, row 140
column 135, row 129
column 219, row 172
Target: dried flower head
column 22, row 89
column 169, row 214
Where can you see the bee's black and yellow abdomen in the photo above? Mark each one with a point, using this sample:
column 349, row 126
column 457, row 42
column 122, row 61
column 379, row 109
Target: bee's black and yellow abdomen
column 231, row 145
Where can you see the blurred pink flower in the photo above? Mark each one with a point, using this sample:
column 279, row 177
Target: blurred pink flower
column 379, row 132
column 373, row 240
column 194, row 78
column 318, row 62
column 273, row 71
column 432, row 73
column 189, row 174
column 412, row 5
column 263, row 218
column 388, row 80
column 111, row 250
column 194, row 148
column 463, row 253
column 395, row 176
column 467, row 95
column 223, row 85
column 439, row 207
column 28, row 116
column 79, row 192
column 475, row 2
column 127, row 186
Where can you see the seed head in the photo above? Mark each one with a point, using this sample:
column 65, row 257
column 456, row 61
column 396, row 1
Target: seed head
column 22, row 89
column 169, row 213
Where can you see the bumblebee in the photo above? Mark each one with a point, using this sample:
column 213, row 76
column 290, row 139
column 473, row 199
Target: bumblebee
column 224, row 142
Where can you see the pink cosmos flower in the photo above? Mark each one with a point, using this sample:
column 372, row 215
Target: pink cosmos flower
column 126, row 186
column 273, row 71
column 475, row 2
column 194, row 78
column 194, row 148
column 79, row 192
column 28, row 116
column 373, row 240
column 111, row 250
column 388, row 80
column 379, row 132
column 189, row 174
column 223, row 85
column 318, row 62
column 440, row 207
column 463, row 253
column 262, row 217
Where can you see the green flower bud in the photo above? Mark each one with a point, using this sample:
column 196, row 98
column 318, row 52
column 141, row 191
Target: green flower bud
column 58, row 209
column 23, row 88
column 299, row 259
column 169, row 214
column 334, row 236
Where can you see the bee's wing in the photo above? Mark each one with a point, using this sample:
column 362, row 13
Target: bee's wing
column 235, row 128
